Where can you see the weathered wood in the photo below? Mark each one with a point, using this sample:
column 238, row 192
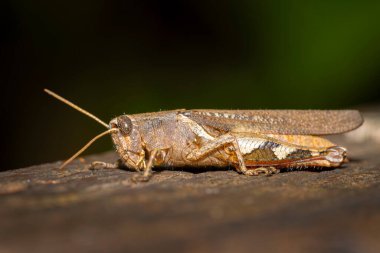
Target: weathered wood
column 44, row 209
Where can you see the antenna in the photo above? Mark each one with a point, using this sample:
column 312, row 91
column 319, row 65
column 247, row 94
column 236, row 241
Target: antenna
column 53, row 94
column 109, row 131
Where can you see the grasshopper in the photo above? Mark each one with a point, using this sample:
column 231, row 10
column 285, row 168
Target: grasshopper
column 252, row 141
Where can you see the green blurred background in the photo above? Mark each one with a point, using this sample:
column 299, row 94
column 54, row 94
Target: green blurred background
column 113, row 57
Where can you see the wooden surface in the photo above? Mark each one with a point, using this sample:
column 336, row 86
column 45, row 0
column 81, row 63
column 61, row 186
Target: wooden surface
column 44, row 209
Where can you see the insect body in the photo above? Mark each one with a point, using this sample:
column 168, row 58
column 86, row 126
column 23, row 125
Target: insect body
column 252, row 141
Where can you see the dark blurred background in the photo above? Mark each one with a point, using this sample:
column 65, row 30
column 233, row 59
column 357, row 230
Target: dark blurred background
column 113, row 57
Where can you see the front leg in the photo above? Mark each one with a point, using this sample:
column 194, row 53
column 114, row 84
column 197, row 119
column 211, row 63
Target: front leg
column 103, row 165
column 147, row 173
column 224, row 140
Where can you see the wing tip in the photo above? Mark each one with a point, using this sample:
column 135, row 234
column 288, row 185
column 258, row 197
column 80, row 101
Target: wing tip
column 357, row 119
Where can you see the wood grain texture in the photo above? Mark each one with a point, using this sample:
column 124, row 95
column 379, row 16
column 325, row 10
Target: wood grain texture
column 44, row 209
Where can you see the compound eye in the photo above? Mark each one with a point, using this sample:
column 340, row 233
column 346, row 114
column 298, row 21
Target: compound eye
column 125, row 124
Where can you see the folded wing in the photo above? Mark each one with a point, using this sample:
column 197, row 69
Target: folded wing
column 292, row 122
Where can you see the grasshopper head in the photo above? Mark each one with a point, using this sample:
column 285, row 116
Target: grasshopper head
column 127, row 141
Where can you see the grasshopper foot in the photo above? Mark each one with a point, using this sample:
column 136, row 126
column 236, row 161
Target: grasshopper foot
column 103, row 165
column 267, row 171
column 138, row 178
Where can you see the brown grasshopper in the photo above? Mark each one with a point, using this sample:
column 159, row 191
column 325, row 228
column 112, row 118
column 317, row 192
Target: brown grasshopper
column 252, row 141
